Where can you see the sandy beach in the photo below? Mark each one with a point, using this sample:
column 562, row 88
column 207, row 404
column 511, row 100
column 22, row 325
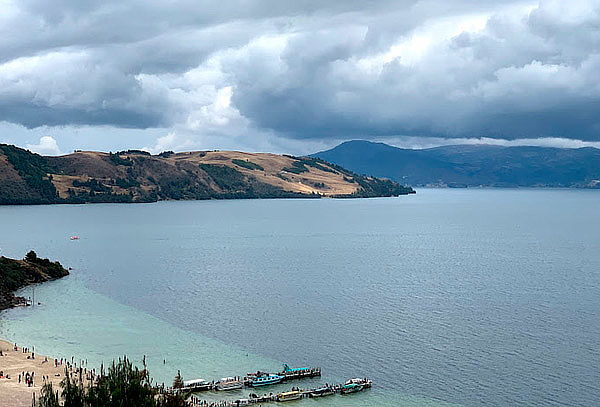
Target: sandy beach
column 16, row 362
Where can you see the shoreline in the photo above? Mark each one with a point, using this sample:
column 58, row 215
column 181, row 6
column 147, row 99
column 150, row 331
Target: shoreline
column 16, row 361
column 16, row 274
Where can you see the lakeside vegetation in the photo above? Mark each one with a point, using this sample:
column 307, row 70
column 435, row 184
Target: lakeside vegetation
column 122, row 385
column 16, row 274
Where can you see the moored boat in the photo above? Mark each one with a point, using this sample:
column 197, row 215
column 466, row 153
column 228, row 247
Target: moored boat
column 321, row 392
column 196, row 385
column 229, row 383
column 366, row 383
column 265, row 380
column 287, row 369
column 289, row 395
column 300, row 372
column 351, row 388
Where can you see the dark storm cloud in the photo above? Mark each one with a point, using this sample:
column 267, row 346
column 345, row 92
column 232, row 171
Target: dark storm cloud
column 306, row 69
column 530, row 77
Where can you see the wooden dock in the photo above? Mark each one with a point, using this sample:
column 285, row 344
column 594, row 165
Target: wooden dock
column 294, row 394
column 287, row 373
column 351, row 386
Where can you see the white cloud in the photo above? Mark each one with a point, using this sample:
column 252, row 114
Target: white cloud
column 429, row 142
column 46, row 146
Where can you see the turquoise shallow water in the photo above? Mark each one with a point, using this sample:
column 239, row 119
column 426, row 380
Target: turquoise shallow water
column 449, row 297
column 113, row 329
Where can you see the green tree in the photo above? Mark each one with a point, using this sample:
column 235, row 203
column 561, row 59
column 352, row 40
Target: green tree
column 48, row 397
column 124, row 385
column 31, row 256
column 178, row 381
column 73, row 392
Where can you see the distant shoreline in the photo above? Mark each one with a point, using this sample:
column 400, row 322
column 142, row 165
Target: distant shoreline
column 508, row 187
column 135, row 176
column 472, row 165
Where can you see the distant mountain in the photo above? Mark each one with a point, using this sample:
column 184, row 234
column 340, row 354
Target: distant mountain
column 471, row 165
column 137, row 176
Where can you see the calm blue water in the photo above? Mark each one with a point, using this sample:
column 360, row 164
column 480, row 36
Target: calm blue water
column 449, row 297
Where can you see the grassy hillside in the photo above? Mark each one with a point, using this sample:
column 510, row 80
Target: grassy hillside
column 16, row 274
column 137, row 176
column 472, row 165
column 24, row 177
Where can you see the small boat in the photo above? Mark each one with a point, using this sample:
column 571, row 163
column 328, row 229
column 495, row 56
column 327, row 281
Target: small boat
column 366, row 383
column 265, row 380
column 290, row 395
column 196, row 385
column 299, row 372
column 287, row 369
column 351, row 388
column 74, row 238
column 355, row 385
column 229, row 383
column 321, row 392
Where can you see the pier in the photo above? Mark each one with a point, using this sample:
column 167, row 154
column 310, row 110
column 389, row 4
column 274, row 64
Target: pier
column 351, row 386
column 249, row 381
column 287, row 374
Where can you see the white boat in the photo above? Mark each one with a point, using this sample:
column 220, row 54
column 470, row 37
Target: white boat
column 366, row 383
column 196, row 385
column 321, row 392
column 229, row 383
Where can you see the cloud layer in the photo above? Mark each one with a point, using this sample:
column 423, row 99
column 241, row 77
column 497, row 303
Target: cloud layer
column 279, row 75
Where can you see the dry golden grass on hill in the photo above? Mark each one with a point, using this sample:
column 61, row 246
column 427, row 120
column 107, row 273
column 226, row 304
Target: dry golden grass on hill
column 274, row 172
column 98, row 166
column 137, row 176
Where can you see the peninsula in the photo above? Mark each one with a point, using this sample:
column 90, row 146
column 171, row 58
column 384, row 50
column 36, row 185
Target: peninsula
column 138, row 176
column 16, row 274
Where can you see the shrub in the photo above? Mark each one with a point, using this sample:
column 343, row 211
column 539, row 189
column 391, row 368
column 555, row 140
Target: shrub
column 116, row 159
column 126, row 183
column 138, row 152
column 93, row 184
column 296, row 168
column 247, row 164
column 226, row 178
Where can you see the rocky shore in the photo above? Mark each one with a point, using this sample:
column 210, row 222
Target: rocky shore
column 16, row 274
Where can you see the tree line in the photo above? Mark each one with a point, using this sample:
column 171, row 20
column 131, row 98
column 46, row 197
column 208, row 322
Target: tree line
column 122, row 385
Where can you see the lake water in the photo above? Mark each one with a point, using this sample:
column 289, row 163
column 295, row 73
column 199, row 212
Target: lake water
column 445, row 298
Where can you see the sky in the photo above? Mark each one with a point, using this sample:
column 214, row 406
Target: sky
column 297, row 76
